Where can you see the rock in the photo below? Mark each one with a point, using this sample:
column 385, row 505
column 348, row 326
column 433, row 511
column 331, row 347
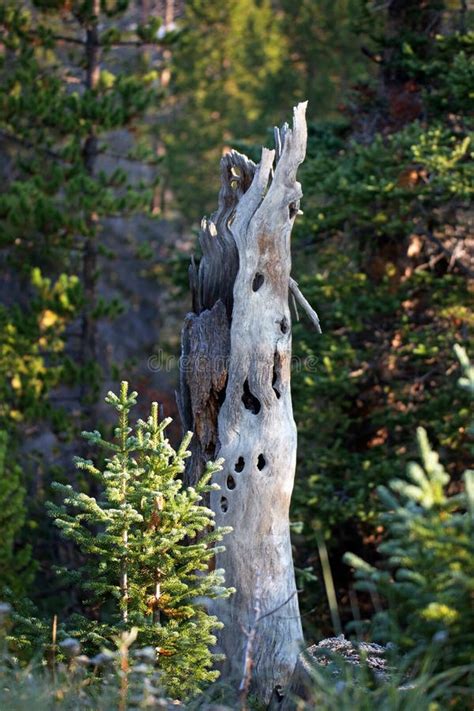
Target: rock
column 70, row 647
column 323, row 654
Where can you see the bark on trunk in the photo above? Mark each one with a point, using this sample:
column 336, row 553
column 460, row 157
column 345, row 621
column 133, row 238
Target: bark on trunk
column 235, row 395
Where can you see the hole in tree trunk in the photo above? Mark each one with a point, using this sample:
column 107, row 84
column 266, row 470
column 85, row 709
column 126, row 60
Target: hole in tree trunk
column 284, row 325
column 276, row 380
column 221, row 393
column 210, row 450
column 257, row 281
column 230, row 482
column 261, row 462
column 251, row 402
column 293, row 210
column 240, row 464
column 224, row 504
column 275, row 389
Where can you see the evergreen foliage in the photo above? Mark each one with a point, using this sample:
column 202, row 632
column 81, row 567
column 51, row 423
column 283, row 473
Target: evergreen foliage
column 381, row 252
column 384, row 212
column 323, row 59
column 235, row 69
column 73, row 76
column 32, row 344
column 61, row 93
column 344, row 686
column 147, row 545
column 429, row 554
column 16, row 567
column 227, row 63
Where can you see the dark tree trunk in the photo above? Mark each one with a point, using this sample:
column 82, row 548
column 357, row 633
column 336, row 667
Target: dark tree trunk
column 89, row 262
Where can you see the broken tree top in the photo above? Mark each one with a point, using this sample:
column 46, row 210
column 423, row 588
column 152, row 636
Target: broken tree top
column 246, row 191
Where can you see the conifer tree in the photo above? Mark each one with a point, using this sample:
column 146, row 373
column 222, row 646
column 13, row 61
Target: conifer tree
column 63, row 90
column 144, row 564
column 16, row 566
column 429, row 550
column 383, row 251
column 75, row 87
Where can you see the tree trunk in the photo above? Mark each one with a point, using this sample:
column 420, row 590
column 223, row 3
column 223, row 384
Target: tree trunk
column 89, row 261
column 235, row 395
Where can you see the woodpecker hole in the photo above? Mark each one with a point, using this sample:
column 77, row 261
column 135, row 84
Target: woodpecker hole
column 251, row 402
column 257, row 281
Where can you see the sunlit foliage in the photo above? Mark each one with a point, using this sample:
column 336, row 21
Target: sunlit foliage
column 147, row 543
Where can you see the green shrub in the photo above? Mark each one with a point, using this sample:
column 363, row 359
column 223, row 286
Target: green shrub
column 116, row 679
column 346, row 687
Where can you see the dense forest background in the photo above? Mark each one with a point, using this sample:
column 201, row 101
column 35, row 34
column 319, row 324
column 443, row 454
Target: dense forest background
column 110, row 139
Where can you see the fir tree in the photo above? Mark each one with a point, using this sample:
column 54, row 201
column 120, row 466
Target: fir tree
column 144, row 564
column 16, row 566
column 429, row 550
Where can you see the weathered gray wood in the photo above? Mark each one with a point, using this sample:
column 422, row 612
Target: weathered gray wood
column 304, row 303
column 205, row 340
column 241, row 410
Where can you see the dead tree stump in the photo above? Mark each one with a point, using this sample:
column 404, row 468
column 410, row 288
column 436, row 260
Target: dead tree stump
column 235, row 395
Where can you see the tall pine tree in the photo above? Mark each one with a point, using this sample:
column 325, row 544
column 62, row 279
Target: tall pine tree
column 75, row 87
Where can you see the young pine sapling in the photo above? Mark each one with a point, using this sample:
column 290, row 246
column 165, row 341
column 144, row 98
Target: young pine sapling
column 147, row 543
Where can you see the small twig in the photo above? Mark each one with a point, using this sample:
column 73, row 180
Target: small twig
column 328, row 582
column 275, row 609
column 54, row 637
column 295, row 306
column 458, row 252
column 83, row 43
column 430, row 263
column 305, row 305
column 129, row 159
column 244, row 686
column 64, row 38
